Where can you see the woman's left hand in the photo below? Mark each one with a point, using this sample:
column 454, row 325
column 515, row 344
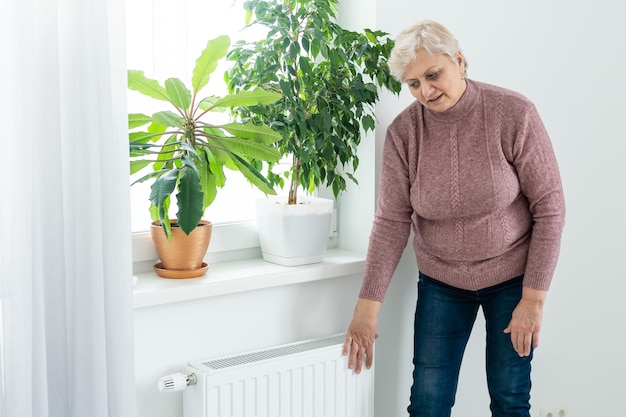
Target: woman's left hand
column 525, row 324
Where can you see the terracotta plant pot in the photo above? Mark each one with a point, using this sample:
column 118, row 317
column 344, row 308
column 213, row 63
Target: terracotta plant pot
column 182, row 257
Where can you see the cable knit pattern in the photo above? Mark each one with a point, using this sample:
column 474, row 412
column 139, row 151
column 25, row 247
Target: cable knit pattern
column 506, row 236
column 480, row 187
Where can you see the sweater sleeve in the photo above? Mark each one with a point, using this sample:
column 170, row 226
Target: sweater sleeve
column 538, row 173
column 392, row 222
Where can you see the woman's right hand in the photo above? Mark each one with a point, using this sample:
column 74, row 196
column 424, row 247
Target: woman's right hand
column 359, row 344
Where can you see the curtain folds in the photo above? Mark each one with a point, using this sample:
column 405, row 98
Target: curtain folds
column 66, row 335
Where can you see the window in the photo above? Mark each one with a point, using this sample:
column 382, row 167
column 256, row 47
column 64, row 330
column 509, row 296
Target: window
column 164, row 38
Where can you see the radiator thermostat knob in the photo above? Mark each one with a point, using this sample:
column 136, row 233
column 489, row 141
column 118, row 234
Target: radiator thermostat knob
column 176, row 382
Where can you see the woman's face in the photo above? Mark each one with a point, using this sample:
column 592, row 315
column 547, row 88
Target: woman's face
column 435, row 80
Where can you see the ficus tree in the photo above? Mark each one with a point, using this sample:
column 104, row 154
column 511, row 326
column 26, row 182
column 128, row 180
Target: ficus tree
column 329, row 79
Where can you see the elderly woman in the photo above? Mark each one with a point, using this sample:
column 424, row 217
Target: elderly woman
column 470, row 168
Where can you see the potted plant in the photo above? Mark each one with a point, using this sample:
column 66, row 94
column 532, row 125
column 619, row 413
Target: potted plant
column 330, row 79
column 188, row 153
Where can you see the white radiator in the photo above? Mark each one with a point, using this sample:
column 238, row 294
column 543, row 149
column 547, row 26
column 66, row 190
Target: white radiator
column 304, row 379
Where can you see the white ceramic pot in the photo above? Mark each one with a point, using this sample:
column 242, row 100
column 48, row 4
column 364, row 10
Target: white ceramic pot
column 295, row 234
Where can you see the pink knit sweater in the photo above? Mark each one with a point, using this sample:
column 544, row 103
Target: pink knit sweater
column 479, row 185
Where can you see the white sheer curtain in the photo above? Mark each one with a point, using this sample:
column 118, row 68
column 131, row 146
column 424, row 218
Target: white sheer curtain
column 66, row 341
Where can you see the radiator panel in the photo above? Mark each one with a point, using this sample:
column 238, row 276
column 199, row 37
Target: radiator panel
column 305, row 379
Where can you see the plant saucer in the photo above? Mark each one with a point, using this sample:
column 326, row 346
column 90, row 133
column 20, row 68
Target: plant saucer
column 176, row 273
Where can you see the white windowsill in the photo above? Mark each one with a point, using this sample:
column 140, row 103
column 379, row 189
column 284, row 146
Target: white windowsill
column 242, row 275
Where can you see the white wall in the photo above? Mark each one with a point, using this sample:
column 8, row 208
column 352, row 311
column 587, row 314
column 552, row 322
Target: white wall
column 167, row 337
column 569, row 58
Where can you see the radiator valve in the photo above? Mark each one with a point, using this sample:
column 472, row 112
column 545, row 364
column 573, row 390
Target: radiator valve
column 176, row 382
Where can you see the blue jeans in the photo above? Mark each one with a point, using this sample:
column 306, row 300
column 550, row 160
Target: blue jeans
column 444, row 318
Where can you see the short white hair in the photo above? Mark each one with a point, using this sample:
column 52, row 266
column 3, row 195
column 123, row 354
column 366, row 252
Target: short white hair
column 427, row 34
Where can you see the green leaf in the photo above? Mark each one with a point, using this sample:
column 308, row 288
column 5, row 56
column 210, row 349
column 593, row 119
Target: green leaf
column 368, row 123
column 260, row 133
column 137, row 119
column 178, row 93
column 156, row 127
column 189, row 200
column 168, row 151
column 139, row 140
column 207, row 183
column 305, row 65
column 305, row 43
column 216, row 168
column 248, row 18
column 188, row 147
column 168, row 118
column 315, row 47
column 224, row 158
column 136, row 166
column 161, row 191
column 147, row 177
column 371, row 36
column 207, row 61
column 165, row 221
column 253, row 175
column 250, row 148
column 188, row 162
column 154, row 213
column 137, row 81
column 208, row 103
column 163, row 187
column 248, row 98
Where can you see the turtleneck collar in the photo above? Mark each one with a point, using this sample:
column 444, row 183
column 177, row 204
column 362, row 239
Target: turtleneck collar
column 462, row 108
